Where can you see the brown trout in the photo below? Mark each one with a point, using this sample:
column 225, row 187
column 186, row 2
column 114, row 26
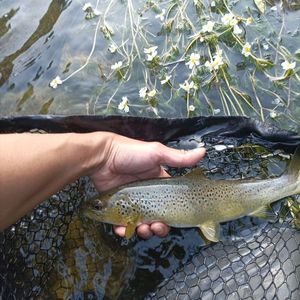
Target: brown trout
column 192, row 200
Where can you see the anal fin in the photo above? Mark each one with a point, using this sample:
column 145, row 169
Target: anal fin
column 211, row 231
column 264, row 212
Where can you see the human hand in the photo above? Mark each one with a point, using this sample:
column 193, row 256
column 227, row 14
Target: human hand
column 126, row 160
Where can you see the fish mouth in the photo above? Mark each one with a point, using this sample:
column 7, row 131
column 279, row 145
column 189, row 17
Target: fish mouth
column 95, row 216
column 86, row 211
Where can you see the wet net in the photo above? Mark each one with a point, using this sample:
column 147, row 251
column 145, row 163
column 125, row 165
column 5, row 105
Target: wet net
column 54, row 253
column 263, row 265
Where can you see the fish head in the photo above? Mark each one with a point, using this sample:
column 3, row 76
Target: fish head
column 113, row 207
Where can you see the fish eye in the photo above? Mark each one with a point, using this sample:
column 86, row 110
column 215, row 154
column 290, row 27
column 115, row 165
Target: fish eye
column 98, row 206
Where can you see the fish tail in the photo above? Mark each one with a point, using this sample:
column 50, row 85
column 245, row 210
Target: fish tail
column 293, row 170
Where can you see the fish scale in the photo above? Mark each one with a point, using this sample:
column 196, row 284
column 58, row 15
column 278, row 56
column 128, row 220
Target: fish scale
column 192, row 200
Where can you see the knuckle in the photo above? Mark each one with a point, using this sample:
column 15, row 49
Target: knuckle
column 156, row 146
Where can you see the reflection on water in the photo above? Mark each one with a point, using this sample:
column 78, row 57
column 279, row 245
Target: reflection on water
column 89, row 265
column 45, row 26
column 4, row 20
column 55, row 38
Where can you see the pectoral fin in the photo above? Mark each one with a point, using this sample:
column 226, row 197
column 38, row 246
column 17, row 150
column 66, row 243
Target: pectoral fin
column 264, row 212
column 130, row 229
column 211, row 231
column 132, row 222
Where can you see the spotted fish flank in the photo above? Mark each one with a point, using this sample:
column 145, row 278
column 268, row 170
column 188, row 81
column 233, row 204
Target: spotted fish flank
column 192, row 200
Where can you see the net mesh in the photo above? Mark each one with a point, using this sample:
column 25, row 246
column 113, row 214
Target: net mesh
column 261, row 266
column 53, row 253
column 29, row 247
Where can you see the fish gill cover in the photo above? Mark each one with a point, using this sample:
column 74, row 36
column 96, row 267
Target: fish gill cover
column 54, row 252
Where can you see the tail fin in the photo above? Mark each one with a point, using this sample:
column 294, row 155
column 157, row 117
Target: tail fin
column 294, row 167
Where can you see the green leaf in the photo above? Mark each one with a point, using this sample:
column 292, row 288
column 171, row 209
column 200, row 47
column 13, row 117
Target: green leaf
column 261, row 5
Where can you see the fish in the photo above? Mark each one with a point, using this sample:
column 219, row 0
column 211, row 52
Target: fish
column 193, row 200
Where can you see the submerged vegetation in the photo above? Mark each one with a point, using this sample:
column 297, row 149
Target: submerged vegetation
column 291, row 208
column 214, row 56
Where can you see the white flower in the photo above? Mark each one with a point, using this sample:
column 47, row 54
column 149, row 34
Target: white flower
column 213, row 4
column 166, row 80
column 249, row 21
column 208, row 27
column 208, row 65
column 143, row 92
column 219, row 53
column 273, row 114
column 112, row 48
column 117, row 65
column 278, row 102
column 151, row 53
column 150, row 50
column 123, row 105
column 274, row 8
column 266, row 46
column 194, row 60
column 188, row 86
column 237, row 29
column 152, row 93
column 161, row 16
column 55, row 82
column 218, row 58
column 150, row 57
column 216, row 62
column 288, row 66
column 192, row 108
column 216, row 111
column 229, row 19
column 246, row 51
column 201, row 39
column 87, row 6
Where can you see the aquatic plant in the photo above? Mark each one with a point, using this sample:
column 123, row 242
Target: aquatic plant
column 212, row 56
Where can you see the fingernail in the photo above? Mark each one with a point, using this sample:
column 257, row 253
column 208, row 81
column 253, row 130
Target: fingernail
column 199, row 149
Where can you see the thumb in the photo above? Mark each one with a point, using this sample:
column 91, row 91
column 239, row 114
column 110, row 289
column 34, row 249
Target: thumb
column 181, row 158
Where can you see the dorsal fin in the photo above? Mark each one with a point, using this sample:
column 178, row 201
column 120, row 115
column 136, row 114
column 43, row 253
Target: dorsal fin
column 196, row 173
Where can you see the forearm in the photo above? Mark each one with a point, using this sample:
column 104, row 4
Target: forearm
column 35, row 166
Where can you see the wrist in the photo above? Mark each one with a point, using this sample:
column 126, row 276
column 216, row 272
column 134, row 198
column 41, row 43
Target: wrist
column 93, row 149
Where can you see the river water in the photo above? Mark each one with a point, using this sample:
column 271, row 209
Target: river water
column 40, row 40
